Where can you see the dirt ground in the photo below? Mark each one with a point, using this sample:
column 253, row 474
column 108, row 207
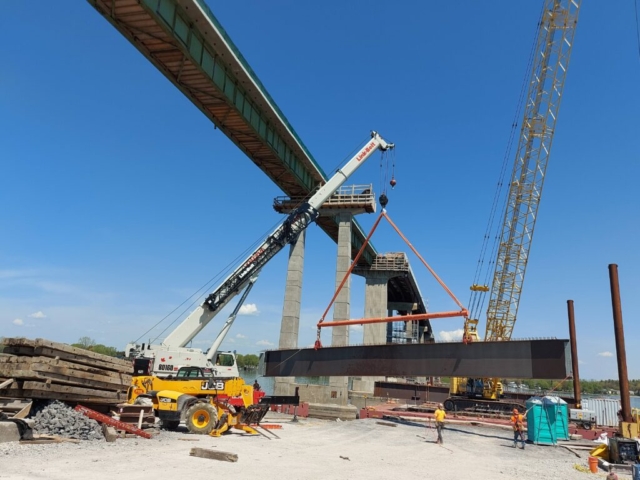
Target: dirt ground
column 309, row 449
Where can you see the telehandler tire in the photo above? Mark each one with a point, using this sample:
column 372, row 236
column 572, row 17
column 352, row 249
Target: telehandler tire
column 201, row 418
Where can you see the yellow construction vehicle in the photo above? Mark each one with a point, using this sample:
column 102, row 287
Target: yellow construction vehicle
column 482, row 395
column 631, row 429
column 207, row 405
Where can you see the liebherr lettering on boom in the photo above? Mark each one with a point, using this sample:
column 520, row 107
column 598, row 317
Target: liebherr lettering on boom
column 173, row 353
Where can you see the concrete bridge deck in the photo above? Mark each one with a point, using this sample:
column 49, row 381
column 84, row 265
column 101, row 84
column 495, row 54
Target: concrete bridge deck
column 184, row 40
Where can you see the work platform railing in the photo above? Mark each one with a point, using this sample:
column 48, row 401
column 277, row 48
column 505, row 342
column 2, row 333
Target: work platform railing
column 352, row 198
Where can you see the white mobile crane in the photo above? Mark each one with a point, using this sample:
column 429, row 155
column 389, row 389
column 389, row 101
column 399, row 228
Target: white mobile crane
column 168, row 357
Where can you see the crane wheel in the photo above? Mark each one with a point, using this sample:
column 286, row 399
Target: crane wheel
column 448, row 405
column 201, row 418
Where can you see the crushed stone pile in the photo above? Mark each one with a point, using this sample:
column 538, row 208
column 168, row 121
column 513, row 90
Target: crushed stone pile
column 57, row 418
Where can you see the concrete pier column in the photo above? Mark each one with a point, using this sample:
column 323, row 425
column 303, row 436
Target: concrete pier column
column 375, row 305
column 342, row 305
column 290, row 326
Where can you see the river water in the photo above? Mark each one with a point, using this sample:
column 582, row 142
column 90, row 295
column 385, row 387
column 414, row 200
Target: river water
column 266, row 383
column 635, row 401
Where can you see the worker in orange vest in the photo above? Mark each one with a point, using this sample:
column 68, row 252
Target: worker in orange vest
column 517, row 421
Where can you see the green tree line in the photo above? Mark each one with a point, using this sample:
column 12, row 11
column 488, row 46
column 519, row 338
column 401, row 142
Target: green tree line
column 589, row 387
column 247, row 361
column 90, row 344
column 244, row 361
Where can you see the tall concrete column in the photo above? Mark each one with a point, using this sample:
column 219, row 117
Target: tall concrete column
column 375, row 305
column 290, row 326
column 342, row 305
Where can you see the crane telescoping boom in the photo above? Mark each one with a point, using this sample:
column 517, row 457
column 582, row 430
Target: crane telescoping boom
column 174, row 345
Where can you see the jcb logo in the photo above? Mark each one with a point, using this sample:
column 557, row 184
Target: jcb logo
column 218, row 385
column 165, row 366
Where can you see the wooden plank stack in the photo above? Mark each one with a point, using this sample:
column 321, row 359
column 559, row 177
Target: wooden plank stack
column 56, row 371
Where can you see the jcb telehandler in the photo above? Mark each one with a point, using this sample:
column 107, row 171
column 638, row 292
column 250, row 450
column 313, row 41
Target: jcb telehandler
column 207, row 405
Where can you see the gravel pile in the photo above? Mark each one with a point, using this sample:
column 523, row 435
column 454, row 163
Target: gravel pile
column 56, row 418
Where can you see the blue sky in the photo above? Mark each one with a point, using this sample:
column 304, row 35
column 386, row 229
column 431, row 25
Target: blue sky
column 120, row 199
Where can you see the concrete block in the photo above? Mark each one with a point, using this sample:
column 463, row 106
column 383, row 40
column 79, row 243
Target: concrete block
column 364, row 385
column 9, row 432
column 110, row 433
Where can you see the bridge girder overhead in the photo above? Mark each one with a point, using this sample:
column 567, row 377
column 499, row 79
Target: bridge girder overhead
column 187, row 44
column 184, row 40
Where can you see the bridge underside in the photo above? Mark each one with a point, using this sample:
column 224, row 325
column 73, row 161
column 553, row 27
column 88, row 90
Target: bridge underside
column 183, row 40
column 186, row 43
column 524, row 359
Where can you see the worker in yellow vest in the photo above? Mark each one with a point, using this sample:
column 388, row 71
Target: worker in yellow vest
column 517, row 421
column 439, row 415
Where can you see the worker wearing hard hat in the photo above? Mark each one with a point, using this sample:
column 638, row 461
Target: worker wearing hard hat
column 517, row 421
column 439, row 415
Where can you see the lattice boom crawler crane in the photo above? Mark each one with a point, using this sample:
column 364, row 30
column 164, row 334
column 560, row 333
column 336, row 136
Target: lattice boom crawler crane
column 553, row 47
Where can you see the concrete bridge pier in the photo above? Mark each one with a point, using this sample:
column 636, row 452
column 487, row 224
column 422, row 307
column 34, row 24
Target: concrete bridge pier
column 342, row 206
column 375, row 305
column 290, row 326
column 339, row 386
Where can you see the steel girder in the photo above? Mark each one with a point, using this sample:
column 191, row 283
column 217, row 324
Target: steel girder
column 523, row 359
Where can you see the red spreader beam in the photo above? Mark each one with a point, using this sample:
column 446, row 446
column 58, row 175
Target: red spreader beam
column 403, row 318
column 399, row 318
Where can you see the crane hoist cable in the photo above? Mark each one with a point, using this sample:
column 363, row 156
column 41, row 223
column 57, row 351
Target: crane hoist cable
column 479, row 288
column 384, row 170
column 637, row 26
column 196, row 296
column 200, row 292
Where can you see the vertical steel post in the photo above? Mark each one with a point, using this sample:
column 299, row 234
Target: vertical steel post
column 574, row 354
column 625, row 400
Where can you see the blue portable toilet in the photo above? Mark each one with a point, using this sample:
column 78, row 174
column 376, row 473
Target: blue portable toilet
column 547, row 420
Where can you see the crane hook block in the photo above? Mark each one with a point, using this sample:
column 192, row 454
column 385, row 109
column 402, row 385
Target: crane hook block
column 383, row 200
column 393, row 182
column 479, row 288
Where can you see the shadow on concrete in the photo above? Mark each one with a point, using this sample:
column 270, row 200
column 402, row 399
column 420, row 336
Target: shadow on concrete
column 467, row 432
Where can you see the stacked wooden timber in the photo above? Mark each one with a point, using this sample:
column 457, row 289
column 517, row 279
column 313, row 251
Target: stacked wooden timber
column 31, row 369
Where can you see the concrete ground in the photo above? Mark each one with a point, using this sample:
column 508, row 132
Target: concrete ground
column 310, row 449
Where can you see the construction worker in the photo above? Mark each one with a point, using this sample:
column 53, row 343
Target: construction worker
column 439, row 415
column 517, row 421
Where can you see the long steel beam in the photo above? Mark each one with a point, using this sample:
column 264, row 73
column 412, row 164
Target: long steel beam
column 523, row 359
